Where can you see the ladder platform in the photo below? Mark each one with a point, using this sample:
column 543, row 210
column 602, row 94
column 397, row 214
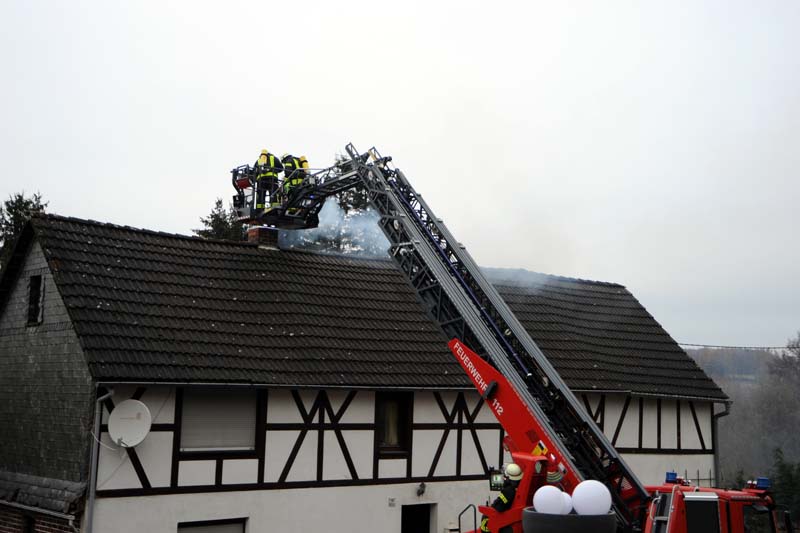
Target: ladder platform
column 279, row 217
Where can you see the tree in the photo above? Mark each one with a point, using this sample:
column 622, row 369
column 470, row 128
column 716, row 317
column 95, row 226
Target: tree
column 786, row 483
column 14, row 214
column 221, row 224
column 354, row 199
column 765, row 414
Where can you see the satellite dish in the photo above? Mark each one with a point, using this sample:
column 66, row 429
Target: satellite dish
column 129, row 423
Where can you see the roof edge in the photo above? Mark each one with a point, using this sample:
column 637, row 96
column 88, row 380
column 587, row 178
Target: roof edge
column 90, row 222
column 629, row 392
column 9, row 275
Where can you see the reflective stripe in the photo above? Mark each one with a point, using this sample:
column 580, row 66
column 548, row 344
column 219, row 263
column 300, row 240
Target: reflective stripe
column 503, row 498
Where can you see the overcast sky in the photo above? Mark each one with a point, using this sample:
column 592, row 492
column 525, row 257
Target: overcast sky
column 654, row 145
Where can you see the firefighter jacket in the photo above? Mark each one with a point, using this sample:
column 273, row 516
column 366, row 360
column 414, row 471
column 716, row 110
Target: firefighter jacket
column 267, row 166
column 503, row 501
column 293, row 172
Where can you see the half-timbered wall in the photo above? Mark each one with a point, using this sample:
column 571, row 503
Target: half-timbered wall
column 305, row 439
column 655, row 435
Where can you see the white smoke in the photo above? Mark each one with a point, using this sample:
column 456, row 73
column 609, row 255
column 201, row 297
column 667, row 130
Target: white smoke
column 355, row 232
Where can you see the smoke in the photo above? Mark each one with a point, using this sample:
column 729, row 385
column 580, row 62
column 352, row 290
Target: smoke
column 355, row 232
column 516, row 276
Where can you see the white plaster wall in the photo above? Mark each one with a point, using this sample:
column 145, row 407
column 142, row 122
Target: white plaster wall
column 159, row 400
column 650, row 423
column 196, row 473
column 470, row 460
column 485, row 415
column 114, row 469
column 447, row 461
column 669, row 428
column 304, row 467
column 392, row 468
column 360, row 411
column 424, row 449
column 705, row 418
column 360, row 445
column 629, row 432
column 651, row 468
column 239, row 471
column 689, row 437
column 281, row 408
column 155, row 451
column 426, row 409
column 363, row 509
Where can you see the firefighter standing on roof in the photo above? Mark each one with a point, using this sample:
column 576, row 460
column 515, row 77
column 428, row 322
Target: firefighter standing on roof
column 267, row 168
column 503, row 502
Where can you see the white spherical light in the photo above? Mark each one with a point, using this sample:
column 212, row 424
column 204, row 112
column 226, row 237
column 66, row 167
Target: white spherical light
column 548, row 500
column 567, row 503
column 591, row 497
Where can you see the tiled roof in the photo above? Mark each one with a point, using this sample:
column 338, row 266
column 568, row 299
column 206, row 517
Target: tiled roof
column 600, row 337
column 45, row 493
column 151, row 306
column 154, row 306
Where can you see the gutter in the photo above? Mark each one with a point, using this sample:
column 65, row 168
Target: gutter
column 69, row 517
column 274, row 386
column 95, row 456
column 656, row 395
column 715, row 439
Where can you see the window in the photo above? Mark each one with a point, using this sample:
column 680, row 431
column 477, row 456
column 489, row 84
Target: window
column 35, row 296
column 233, row 525
column 393, row 423
column 702, row 512
column 218, row 420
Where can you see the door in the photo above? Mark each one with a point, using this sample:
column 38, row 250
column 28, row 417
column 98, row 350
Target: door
column 416, row 519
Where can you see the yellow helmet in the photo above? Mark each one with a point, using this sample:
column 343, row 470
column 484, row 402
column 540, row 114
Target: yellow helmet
column 264, row 151
column 303, row 158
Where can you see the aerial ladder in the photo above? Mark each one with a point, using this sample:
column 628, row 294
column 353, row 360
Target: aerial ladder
column 549, row 432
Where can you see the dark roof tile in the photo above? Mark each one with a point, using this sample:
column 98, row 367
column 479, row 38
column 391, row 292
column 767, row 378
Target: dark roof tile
column 151, row 306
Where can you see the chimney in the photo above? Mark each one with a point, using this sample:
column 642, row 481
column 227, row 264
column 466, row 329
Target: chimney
column 263, row 236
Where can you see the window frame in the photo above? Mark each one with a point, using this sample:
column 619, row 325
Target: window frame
column 221, row 522
column 35, row 301
column 220, row 453
column 405, row 402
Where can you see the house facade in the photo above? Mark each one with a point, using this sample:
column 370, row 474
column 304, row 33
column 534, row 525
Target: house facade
column 290, row 390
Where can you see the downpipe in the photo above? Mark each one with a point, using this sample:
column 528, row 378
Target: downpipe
column 95, row 457
column 715, row 439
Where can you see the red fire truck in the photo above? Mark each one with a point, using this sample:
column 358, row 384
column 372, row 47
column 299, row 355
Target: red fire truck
column 677, row 506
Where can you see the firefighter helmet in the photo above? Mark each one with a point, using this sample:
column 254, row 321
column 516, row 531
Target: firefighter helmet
column 264, row 151
column 513, row 472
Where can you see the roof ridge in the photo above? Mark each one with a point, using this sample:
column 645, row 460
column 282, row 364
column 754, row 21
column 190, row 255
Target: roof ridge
column 111, row 225
column 551, row 276
column 196, row 238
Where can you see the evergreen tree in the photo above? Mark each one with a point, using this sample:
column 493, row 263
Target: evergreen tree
column 786, row 483
column 221, row 224
column 14, row 213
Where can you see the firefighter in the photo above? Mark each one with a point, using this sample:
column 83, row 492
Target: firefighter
column 294, row 174
column 503, row 502
column 267, row 168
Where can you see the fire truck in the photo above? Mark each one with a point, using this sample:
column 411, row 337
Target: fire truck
column 548, row 433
